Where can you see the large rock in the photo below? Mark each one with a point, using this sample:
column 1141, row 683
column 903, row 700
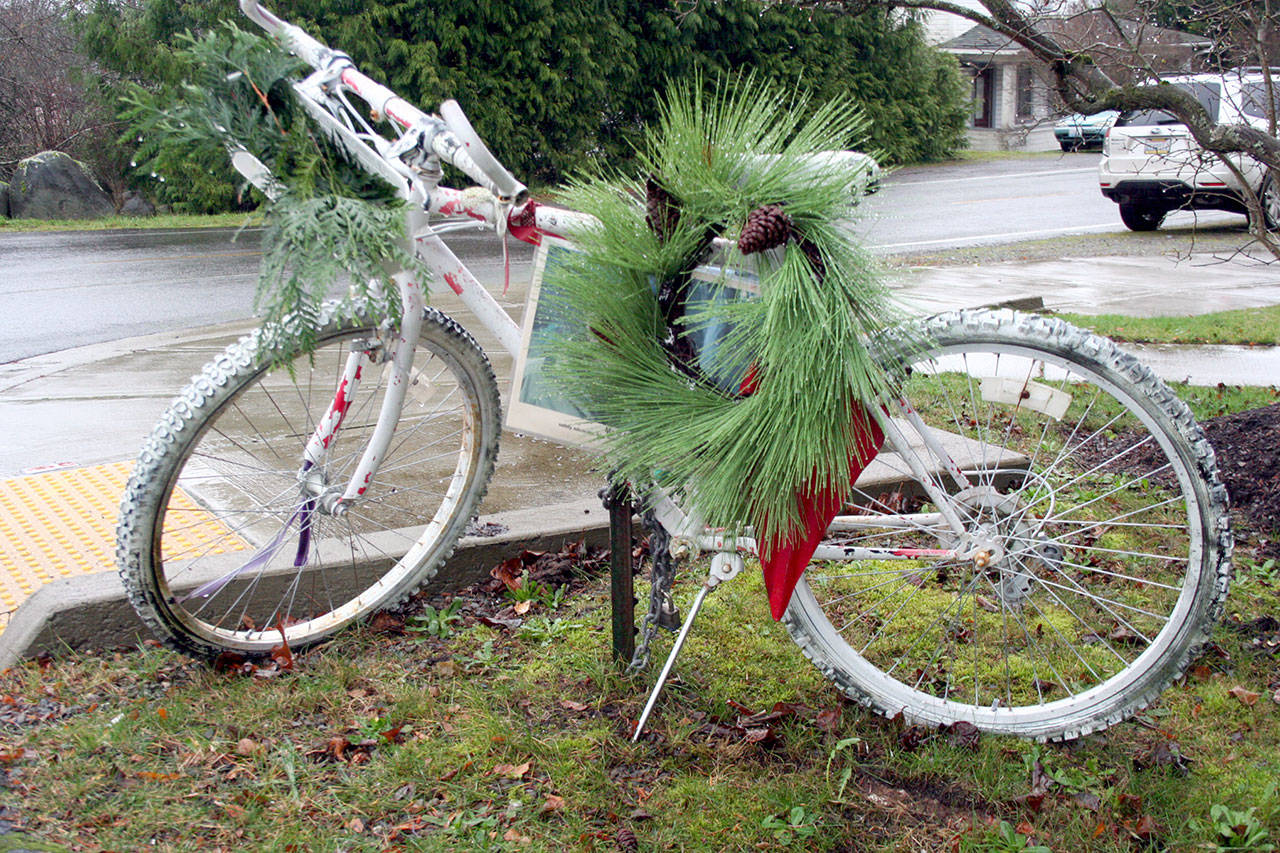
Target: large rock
column 136, row 204
column 51, row 185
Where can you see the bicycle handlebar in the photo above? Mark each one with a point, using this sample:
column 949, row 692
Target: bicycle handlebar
column 450, row 137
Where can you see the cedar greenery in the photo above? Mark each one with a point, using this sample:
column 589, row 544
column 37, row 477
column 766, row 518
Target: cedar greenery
column 332, row 217
column 740, row 460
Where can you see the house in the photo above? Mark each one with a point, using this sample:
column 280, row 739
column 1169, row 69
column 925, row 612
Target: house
column 1013, row 103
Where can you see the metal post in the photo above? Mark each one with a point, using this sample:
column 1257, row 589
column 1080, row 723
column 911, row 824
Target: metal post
column 621, row 568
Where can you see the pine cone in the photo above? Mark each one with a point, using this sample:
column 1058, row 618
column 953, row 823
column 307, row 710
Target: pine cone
column 626, row 841
column 661, row 210
column 767, row 227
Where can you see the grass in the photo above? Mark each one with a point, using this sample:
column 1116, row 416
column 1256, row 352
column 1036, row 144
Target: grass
column 110, row 223
column 388, row 743
column 1245, row 326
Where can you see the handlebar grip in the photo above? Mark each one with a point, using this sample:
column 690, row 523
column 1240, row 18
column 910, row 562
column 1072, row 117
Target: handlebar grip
column 295, row 39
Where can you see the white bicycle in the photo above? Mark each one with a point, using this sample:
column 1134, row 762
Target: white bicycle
column 1039, row 549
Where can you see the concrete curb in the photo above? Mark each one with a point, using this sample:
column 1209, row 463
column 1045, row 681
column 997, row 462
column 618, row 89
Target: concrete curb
column 92, row 611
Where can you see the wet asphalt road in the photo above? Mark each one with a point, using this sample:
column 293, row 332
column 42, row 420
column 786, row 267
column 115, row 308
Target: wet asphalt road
column 66, row 289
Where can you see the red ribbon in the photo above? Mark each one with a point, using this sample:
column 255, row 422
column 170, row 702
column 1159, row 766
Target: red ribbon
column 784, row 560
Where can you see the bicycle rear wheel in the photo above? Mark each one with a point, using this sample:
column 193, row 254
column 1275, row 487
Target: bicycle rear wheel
column 224, row 542
column 1093, row 554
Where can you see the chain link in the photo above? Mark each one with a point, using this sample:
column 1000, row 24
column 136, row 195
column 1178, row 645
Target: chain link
column 662, row 610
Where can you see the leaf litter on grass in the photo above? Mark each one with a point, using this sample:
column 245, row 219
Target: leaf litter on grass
column 369, row 742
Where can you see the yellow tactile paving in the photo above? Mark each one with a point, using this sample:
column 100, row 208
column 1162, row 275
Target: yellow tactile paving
column 62, row 523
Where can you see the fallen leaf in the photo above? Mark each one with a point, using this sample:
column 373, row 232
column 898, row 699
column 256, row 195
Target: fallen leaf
column 912, row 737
column 963, row 734
column 1087, row 799
column 1248, row 697
column 1041, row 782
column 828, row 720
column 570, row 705
column 1130, row 803
column 162, row 714
column 282, row 655
column 1275, row 697
column 987, row 604
column 10, row 755
column 496, row 622
column 1167, row 753
column 355, row 825
column 246, row 746
column 553, row 803
column 1124, row 636
column 513, row 771
column 513, row 835
column 228, row 662
column 158, row 777
column 509, row 572
column 522, row 607
column 386, row 622
column 455, row 771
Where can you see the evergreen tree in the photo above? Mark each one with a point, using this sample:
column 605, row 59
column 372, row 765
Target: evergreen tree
column 553, row 86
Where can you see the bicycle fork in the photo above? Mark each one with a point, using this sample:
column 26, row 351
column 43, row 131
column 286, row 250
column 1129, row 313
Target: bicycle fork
column 316, row 495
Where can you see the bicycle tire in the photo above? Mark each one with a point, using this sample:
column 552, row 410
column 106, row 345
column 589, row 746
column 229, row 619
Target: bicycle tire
column 212, row 506
column 1108, row 528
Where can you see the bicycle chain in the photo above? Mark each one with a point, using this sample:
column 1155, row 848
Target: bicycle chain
column 662, row 611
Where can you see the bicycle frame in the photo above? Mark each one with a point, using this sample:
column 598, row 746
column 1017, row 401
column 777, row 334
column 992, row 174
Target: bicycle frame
column 412, row 165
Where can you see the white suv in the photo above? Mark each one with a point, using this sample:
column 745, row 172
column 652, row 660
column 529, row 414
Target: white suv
column 1151, row 165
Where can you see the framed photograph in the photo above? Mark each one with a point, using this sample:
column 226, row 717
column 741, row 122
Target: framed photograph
column 536, row 406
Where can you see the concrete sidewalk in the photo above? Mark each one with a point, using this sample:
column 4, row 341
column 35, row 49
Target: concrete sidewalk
column 73, row 420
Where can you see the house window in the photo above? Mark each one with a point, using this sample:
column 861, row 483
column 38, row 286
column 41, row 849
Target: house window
column 1026, row 93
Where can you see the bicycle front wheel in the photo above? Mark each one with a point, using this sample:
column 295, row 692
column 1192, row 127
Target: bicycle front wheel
column 228, row 543
column 1081, row 551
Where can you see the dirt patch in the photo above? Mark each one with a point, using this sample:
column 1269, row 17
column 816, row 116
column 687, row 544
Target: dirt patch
column 1247, row 445
column 1248, row 448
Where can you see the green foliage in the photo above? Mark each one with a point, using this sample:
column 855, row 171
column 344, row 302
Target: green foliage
column 1002, row 839
column 332, row 217
column 545, row 630
column 795, row 826
column 551, row 86
column 846, row 773
column 437, row 622
column 538, row 592
column 1238, row 830
column 141, row 44
column 877, row 59
column 741, row 461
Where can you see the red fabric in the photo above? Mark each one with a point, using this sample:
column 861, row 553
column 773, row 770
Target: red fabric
column 785, row 561
column 523, row 225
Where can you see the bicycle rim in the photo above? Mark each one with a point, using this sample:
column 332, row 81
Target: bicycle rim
column 230, row 546
column 1092, row 557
